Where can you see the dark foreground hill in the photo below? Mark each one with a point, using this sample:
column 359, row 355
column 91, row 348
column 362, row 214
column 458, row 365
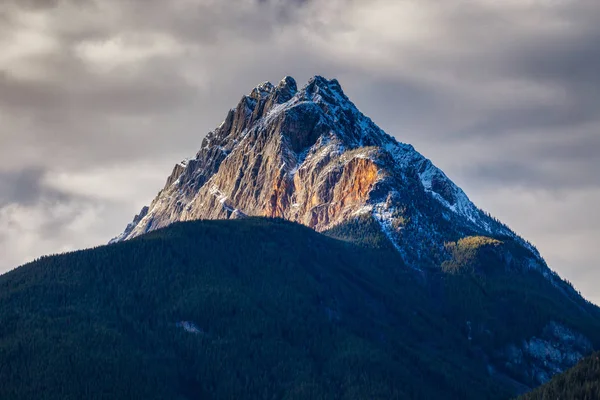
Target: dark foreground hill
column 228, row 309
column 582, row 382
column 267, row 309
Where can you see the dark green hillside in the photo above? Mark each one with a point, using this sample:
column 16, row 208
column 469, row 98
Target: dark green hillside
column 486, row 290
column 512, row 305
column 268, row 309
column 501, row 306
column 582, row 382
column 278, row 312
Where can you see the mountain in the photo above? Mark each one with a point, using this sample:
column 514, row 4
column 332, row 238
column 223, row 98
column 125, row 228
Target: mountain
column 330, row 262
column 582, row 382
column 310, row 156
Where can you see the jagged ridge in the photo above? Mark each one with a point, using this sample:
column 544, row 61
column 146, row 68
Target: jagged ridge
column 311, row 156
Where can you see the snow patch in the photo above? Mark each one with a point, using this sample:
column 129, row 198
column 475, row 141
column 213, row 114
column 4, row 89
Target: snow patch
column 384, row 215
column 189, row 326
column 557, row 349
column 183, row 163
column 363, row 210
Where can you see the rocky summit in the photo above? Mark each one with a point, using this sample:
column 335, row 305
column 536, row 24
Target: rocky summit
column 309, row 155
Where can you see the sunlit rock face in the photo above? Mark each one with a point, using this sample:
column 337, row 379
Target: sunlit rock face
column 310, row 156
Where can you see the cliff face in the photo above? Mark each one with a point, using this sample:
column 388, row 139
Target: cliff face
column 310, row 156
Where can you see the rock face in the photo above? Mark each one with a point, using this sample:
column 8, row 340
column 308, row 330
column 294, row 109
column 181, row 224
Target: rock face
column 310, row 156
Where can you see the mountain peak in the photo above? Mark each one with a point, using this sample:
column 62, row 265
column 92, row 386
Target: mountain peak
column 288, row 84
column 318, row 82
column 283, row 92
column 311, row 156
column 263, row 90
column 318, row 89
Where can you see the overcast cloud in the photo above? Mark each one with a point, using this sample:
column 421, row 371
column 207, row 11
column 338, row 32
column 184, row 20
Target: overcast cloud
column 98, row 99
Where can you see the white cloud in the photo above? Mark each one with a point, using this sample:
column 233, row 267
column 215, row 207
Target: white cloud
column 127, row 50
column 29, row 38
column 75, row 210
column 124, row 183
column 46, row 228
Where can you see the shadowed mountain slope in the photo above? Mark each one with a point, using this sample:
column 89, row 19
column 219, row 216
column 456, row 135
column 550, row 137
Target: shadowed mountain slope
column 582, row 382
column 229, row 309
column 263, row 308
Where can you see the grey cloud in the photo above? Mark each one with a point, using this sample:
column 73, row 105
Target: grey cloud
column 152, row 89
column 36, row 4
column 29, row 187
column 536, row 175
column 556, row 159
column 23, row 187
column 95, row 117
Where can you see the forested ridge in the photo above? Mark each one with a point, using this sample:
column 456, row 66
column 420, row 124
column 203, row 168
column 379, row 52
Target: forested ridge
column 265, row 309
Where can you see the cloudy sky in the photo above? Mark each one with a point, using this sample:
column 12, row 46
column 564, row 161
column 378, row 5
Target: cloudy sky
column 98, row 99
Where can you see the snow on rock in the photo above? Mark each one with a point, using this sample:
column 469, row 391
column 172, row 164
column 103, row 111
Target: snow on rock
column 537, row 359
column 189, row 327
column 131, row 226
column 289, row 152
